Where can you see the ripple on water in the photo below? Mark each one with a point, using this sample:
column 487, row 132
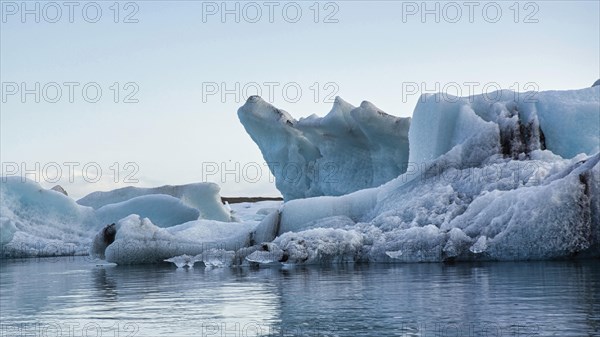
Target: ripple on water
column 542, row 298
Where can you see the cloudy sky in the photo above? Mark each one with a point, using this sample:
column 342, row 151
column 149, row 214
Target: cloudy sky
column 145, row 93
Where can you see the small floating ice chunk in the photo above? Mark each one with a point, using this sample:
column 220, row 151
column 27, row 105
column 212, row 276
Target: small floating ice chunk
column 270, row 253
column 184, row 261
column 479, row 246
column 217, row 258
column 396, row 254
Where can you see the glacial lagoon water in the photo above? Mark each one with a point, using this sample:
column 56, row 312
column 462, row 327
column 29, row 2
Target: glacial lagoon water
column 75, row 296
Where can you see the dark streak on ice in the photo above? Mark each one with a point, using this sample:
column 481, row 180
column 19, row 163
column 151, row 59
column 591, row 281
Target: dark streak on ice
column 109, row 234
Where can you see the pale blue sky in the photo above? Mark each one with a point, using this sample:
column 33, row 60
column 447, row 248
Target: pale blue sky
column 369, row 53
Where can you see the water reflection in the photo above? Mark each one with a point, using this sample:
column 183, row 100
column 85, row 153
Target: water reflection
column 105, row 287
column 493, row 299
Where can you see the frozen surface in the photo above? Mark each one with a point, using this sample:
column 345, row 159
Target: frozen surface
column 302, row 213
column 570, row 120
column 135, row 240
column 349, row 149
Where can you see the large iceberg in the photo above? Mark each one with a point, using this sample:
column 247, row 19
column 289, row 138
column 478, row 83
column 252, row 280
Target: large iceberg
column 508, row 178
column 487, row 180
column 499, row 179
column 350, row 149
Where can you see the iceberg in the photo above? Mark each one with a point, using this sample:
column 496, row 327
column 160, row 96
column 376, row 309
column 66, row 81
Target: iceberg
column 38, row 222
column 211, row 258
column 350, row 149
column 484, row 179
column 487, row 180
column 136, row 240
column 553, row 213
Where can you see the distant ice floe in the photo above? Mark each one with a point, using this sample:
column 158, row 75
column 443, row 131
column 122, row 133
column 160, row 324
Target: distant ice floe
column 516, row 177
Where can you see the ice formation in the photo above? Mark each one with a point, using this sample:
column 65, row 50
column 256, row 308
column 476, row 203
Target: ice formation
column 488, row 179
column 39, row 222
column 564, row 122
column 211, row 258
column 349, row 149
column 203, row 197
column 60, row 189
column 137, row 240
column 184, row 261
column 163, row 210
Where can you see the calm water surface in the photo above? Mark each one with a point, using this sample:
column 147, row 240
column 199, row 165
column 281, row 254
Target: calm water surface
column 76, row 297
